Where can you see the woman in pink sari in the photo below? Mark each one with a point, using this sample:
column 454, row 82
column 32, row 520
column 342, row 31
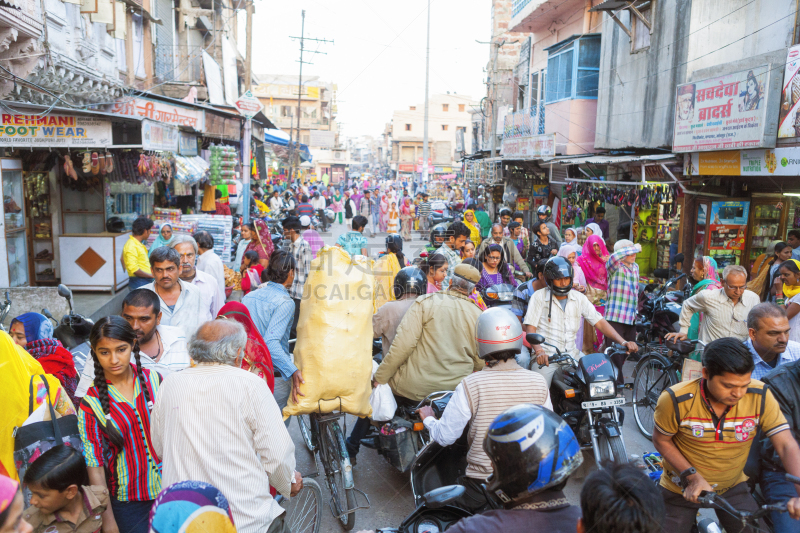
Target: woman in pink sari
column 406, row 216
column 593, row 264
column 383, row 221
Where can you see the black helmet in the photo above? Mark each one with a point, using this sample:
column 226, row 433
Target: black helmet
column 396, row 240
column 439, row 230
column 115, row 225
column 557, row 268
column 544, row 210
column 408, row 280
column 531, row 449
column 505, row 212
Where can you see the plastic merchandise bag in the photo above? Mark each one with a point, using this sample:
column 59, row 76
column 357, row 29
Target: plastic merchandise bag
column 385, row 269
column 383, row 403
column 334, row 335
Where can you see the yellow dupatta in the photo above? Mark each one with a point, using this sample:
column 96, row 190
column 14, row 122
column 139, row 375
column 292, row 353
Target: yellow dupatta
column 474, row 231
column 791, row 290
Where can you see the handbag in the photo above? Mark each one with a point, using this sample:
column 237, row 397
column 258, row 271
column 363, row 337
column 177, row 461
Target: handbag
column 32, row 440
column 597, row 297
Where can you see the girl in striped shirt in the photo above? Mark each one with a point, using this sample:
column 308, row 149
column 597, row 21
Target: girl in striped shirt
column 114, row 423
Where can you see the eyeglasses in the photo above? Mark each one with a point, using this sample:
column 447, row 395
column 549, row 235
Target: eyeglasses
column 740, row 288
column 493, row 259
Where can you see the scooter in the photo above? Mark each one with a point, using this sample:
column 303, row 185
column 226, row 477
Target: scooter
column 584, row 394
column 660, row 307
column 73, row 330
column 499, row 295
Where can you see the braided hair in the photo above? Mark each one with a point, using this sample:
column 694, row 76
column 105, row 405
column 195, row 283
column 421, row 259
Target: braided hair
column 117, row 328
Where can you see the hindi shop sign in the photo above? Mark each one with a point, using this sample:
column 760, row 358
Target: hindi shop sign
column 159, row 137
column 158, row 111
column 724, row 113
column 532, row 147
column 55, row 130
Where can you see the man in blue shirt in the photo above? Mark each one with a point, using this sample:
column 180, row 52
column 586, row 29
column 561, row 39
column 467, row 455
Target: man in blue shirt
column 769, row 342
column 793, row 240
column 272, row 310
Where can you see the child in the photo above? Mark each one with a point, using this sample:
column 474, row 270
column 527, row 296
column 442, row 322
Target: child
column 353, row 242
column 62, row 500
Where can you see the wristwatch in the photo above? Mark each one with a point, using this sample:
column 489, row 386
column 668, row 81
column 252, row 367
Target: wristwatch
column 685, row 474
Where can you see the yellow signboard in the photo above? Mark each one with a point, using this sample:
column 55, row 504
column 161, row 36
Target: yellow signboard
column 727, row 163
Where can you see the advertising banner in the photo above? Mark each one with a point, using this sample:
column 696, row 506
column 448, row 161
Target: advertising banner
column 160, row 137
column 728, row 225
column 723, row 113
column 760, row 162
column 534, row 147
column 55, row 130
column 789, row 122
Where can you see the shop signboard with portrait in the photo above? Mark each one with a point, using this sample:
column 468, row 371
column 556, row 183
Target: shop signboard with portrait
column 728, row 231
column 723, row 113
column 789, row 121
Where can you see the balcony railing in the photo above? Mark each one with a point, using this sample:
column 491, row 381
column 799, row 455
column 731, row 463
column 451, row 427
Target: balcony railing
column 518, row 6
column 524, row 123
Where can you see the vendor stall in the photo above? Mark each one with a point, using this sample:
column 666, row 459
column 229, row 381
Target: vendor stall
column 93, row 261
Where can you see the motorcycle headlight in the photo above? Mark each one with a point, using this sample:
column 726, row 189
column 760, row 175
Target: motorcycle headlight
column 601, row 389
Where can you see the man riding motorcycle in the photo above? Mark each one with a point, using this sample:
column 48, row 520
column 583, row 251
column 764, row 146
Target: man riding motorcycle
column 438, row 235
column 483, row 395
column 428, row 354
column 557, row 312
column 533, row 452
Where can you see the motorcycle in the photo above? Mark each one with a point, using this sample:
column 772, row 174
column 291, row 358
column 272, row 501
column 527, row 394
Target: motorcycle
column 4, row 310
column 660, row 307
column 584, row 394
column 323, row 219
column 73, row 330
column 440, row 212
column 499, row 295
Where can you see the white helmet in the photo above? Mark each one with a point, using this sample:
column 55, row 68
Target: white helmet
column 499, row 330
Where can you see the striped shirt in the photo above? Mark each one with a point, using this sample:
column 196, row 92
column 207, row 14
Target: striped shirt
column 136, row 467
column 623, row 287
column 303, row 256
column 424, row 209
column 272, row 310
column 762, row 368
column 235, row 440
column 453, row 260
column 560, row 326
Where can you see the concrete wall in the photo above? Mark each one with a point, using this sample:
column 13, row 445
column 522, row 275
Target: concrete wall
column 691, row 40
column 34, row 299
column 573, row 123
column 453, row 118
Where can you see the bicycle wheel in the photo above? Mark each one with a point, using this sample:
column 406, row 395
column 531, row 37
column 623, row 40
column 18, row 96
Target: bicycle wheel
column 333, row 454
column 304, row 511
column 304, row 423
column 651, row 376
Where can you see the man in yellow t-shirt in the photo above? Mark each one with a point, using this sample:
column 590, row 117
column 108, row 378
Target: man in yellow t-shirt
column 704, row 429
column 134, row 254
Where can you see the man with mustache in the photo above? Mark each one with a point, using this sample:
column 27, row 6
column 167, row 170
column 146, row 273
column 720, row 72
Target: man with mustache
column 769, row 342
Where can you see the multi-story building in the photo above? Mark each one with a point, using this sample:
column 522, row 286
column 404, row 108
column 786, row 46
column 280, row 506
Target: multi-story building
column 447, row 115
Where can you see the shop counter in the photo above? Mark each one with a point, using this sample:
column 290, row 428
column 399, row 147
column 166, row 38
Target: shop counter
column 93, row 261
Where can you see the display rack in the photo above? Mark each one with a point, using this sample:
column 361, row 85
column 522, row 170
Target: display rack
column 38, row 207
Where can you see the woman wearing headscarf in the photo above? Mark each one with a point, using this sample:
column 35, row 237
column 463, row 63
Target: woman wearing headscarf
column 593, row 263
column 12, row 506
column 705, row 275
column 571, row 239
column 15, row 379
column 189, row 506
column 384, row 213
column 394, row 218
column 593, row 229
column 164, row 238
column 406, row 216
column 766, row 281
column 474, row 227
column 338, row 206
column 34, row 332
column 257, row 358
column 261, row 242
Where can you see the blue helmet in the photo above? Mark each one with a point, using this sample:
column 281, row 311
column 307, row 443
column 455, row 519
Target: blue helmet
column 531, row 449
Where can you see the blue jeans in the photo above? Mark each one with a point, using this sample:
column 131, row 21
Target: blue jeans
column 132, row 517
column 777, row 489
column 360, row 430
column 136, row 283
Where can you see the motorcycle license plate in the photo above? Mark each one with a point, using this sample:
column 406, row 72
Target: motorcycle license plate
column 603, row 403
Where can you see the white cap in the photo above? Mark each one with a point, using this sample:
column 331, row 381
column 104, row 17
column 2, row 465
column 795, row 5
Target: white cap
column 305, row 220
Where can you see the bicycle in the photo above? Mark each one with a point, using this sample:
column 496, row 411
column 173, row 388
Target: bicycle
column 656, row 370
column 303, row 512
column 324, row 438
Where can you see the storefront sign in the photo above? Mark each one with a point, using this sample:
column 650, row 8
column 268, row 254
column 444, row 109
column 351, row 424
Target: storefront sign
column 159, row 137
column 158, row 111
column 188, row 144
column 760, row 162
column 723, row 113
column 534, row 147
column 728, row 225
column 224, row 127
column 790, row 96
column 405, row 168
column 55, row 130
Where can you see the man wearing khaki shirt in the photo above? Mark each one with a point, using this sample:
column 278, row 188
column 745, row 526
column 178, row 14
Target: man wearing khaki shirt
column 724, row 310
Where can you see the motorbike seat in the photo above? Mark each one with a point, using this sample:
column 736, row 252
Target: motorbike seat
column 681, row 347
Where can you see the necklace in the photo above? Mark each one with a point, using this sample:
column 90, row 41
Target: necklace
column 160, row 345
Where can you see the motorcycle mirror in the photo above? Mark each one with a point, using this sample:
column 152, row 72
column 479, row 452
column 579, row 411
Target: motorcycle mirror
column 534, row 339
column 661, row 273
column 440, row 497
column 678, row 259
column 64, row 291
column 47, row 314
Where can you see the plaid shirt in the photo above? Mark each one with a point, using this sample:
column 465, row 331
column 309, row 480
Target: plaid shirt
column 453, row 260
column 303, row 256
column 623, row 287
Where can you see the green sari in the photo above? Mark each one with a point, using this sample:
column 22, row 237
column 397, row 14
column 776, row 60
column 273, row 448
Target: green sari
column 710, row 282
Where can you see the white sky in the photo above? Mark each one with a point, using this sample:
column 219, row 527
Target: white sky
column 378, row 58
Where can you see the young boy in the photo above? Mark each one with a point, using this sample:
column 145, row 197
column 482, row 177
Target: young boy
column 62, row 500
column 353, row 242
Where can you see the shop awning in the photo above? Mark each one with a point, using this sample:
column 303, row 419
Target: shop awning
column 612, row 159
column 278, row 137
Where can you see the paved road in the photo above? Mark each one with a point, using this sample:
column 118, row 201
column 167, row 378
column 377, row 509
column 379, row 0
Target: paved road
column 389, row 490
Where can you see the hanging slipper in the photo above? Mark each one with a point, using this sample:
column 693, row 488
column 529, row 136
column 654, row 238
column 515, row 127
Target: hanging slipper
column 95, row 163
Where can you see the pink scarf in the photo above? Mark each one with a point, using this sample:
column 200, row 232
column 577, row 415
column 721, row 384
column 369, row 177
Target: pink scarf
column 594, row 266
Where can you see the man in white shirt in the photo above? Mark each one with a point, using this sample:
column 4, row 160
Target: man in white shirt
column 275, row 203
column 219, row 424
column 161, row 348
column 208, row 261
column 724, row 310
column 318, row 202
column 557, row 312
column 213, row 296
column 181, row 302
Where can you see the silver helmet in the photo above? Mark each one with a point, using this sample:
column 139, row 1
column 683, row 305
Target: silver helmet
column 499, row 330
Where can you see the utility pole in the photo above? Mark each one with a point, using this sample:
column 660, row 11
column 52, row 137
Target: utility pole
column 295, row 152
column 425, row 151
column 248, row 65
column 493, row 88
column 248, row 123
